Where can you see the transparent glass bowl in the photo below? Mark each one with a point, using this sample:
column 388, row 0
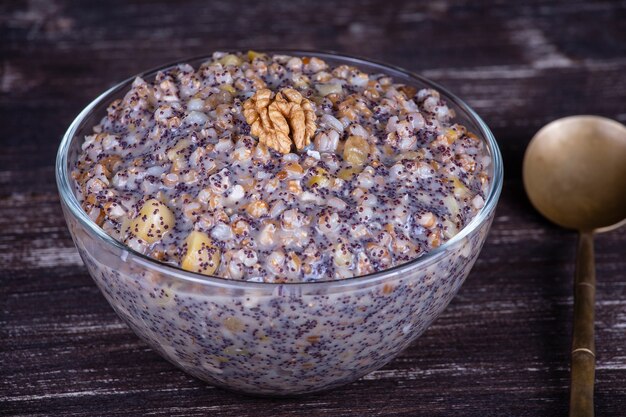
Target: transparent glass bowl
column 275, row 339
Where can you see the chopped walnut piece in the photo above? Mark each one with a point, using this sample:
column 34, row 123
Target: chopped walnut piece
column 273, row 120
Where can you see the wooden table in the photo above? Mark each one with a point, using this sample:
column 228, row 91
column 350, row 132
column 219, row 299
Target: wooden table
column 501, row 347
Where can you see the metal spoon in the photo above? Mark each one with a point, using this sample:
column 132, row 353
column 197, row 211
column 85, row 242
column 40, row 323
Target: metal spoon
column 575, row 175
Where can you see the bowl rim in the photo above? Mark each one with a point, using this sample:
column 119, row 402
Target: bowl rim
column 70, row 201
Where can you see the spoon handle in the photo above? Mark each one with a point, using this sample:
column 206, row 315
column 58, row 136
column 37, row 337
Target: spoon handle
column 583, row 346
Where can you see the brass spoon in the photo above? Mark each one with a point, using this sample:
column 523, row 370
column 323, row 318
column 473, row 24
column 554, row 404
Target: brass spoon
column 575, row 175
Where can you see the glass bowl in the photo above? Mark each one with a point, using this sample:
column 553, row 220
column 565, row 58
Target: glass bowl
column 269, row 338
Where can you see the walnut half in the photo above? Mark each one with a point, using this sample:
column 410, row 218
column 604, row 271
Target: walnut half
column 281, row 120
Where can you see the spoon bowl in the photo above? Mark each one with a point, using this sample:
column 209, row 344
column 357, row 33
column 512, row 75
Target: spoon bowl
column 575, row 172
column 575, row 175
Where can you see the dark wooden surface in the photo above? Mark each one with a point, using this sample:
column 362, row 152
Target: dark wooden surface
column 501, row 347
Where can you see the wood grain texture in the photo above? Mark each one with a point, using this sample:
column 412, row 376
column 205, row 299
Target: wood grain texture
column 502, row 346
